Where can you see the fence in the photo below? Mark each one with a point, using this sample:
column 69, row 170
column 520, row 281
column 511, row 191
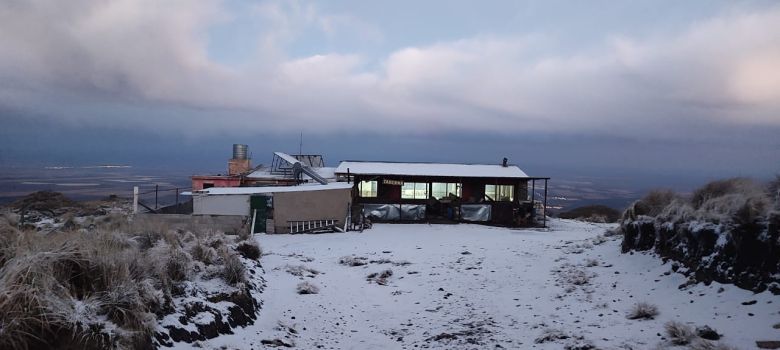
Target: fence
column 157, row 200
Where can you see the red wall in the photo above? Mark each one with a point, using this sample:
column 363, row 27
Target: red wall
column 217, row 181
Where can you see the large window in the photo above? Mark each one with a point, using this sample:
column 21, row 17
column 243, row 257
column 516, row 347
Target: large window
column 502, row 193
column 367, row 188
column 414, row 190
column 440, row 190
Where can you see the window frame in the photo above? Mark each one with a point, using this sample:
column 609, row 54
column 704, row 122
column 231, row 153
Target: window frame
column 499, row 192
column 373, row 193
column 449, row 187
column 417, row 187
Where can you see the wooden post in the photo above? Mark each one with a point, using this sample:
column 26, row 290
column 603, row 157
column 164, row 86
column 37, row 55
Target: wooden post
column 135, row 199
column 254, row 218
column 156, row 187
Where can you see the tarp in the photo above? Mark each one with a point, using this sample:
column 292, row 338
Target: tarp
column 475, row 212
column 412, row 211
column 383, row 212
column 394, row 212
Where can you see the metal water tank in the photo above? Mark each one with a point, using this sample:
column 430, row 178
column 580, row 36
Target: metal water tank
column 239, row 151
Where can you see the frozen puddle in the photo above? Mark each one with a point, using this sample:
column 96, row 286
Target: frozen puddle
column 477, row 287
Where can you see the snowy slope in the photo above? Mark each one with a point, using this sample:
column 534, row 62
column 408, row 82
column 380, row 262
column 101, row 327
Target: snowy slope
column 475, row 287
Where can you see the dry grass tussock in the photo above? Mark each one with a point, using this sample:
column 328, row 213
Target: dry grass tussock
column 307, row 288
column 679, row 333
column 643, row 311
column 736, row 199
column 99, row 289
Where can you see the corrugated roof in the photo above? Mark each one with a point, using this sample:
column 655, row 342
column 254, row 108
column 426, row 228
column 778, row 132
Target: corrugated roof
column 430, row 169
column 274, row 189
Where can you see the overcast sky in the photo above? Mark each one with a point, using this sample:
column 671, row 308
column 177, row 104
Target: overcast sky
column 650, row 87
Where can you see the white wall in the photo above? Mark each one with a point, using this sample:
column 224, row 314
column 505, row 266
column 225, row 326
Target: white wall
column 233, row 204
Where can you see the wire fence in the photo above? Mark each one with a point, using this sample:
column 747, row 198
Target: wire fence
column 159, row 198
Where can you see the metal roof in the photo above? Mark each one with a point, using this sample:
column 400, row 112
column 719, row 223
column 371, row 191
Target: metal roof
column 273, row 189
column 430, row 169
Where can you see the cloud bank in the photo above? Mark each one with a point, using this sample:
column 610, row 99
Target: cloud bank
column 120, row 62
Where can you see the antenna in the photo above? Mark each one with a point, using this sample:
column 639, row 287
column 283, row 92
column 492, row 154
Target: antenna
column 300, row 146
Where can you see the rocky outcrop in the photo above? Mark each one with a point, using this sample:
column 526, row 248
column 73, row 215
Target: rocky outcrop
column 727, row 238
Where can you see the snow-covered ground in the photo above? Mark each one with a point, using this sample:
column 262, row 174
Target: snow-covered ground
column 478, row 287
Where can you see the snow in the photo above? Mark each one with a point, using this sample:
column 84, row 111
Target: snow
column 274, row 189
column 286, row 157
column 430, row 169
column 471, row 286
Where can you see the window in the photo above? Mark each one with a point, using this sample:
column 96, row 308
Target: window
column 414, row 190
column 367, row 188
column 440, row 190
column 501, row 193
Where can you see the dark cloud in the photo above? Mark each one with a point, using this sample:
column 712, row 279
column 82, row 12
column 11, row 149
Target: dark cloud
column 127, row 74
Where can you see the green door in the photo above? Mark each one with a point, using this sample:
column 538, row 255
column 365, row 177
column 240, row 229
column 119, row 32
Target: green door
column 258, row 206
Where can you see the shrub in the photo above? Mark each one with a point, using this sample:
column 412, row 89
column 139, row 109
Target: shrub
column 300, row 270
column 353, row 261
column 720, row 188
column 380, row 277
column 307, row 288
column 550, row 335
column 642, row 311
column 591, row 262
column 61, row 289
column 249, row 250
column 53, row 290
column 774, row 188
column 679, row 333
column 233, row 270
column 178, row 265
column 203, row 253
column 654, row 202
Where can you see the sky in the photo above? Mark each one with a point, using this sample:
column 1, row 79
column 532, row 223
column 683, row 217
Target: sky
column 653, row 88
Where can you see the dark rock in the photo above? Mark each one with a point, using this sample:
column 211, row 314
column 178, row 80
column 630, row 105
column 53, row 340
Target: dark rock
column 43, row 201
column 743, row 250
column 751, row 302
column 276, row 343
column 705, row 332
column 768, row 344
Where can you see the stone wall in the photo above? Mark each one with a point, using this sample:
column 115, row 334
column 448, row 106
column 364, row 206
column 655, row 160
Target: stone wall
column 746, row 254
column 227, row 224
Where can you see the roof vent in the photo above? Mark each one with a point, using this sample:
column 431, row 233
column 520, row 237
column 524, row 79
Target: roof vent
column 503, row 164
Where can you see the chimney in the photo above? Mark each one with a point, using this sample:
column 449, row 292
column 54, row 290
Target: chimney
column 503, row 164
column 240, row 163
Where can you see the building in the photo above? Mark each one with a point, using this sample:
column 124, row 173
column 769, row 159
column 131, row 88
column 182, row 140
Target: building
column 493, row 194
column 279, row 209
column 285, row 170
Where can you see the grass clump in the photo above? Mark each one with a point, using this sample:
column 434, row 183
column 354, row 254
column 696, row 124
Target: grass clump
column 233, row 270
column 643, row 311
column 249, row 249
column 307, row 288
column 679, row 333
column 380, row 278
column 301, row 270
column 353, row 261
column 100, row 288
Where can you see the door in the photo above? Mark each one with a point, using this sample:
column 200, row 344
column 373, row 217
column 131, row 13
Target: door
column 258, row 206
